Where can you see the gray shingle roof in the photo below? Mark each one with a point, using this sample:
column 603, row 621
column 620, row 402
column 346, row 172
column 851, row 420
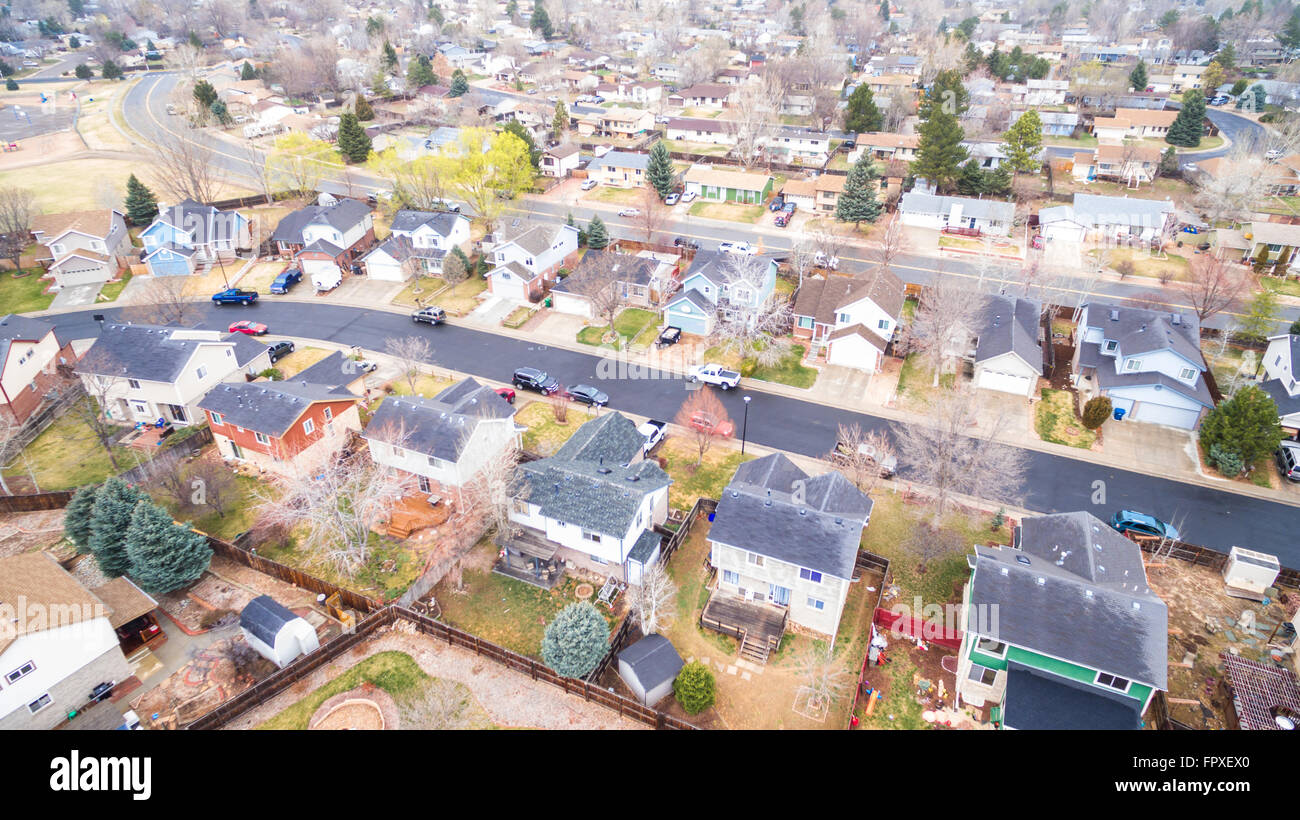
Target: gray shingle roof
column 343, row 215
column 1139, row 330
column 1095, row 210
column 635, row 270
column 622, row 159
column 264, row 617
column 758, row 512
column 1108, row 379
column 646, row 544
column 919, row 203
column 653, row 660
column 151, row 353
column 1286, row 403
column 610, row 439
column 440, row 221
column 402, row 248
column 15, row 328
column 335, row 370
column 1010, row 325
column 268, row 407
column 440, row 426
column 1084, row 611
column 1039, row 700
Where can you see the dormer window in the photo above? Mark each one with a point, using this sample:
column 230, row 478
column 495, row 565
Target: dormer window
column 1187, row 374
column 1132, row 365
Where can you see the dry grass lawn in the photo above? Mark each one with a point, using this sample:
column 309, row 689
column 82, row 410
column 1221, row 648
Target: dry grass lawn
column 727, row 210
column 300, row 360
column 87, row 183
column 544, row 434
column 262, row 274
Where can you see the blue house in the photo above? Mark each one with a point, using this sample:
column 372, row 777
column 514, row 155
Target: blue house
column 716, row 283
column 186, row 236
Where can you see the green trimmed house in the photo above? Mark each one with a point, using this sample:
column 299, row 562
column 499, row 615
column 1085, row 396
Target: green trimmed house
column 1264, row 243
column 1062, row 631
column 718, row 185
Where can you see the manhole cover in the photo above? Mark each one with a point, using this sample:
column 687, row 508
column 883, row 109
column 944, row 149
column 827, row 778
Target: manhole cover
column 584, row 591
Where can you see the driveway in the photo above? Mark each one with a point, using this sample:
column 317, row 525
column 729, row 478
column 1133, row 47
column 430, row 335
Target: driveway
column 1161, row 451
column 1061, row 253
column 76, row 296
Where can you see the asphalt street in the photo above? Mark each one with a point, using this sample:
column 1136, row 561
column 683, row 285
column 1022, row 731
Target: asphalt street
column 1053, row 483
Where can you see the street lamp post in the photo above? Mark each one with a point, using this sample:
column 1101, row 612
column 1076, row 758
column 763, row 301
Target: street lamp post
column 744, row 428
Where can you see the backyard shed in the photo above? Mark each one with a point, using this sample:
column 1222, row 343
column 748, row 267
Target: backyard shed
column 649, row 668
column 275, row 632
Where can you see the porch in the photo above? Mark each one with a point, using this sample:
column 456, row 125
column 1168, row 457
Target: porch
column 758, row 626
column 527, row 556
column 419, row 511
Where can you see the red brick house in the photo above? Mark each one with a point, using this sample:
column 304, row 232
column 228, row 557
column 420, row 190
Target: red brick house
column 29, row 356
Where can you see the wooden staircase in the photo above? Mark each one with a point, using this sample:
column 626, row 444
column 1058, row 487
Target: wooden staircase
column 754, row 650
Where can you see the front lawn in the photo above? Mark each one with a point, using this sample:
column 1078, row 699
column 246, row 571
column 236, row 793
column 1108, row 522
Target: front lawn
column 1172, row 266
column 23, row 294
column 916, row 377
column 418, row 292
column 616, row 196
column 299, row 360
column 1055, row 420
column 629, row 324
column 260, row 276
column 544, row 434
column 426, row 385
column 463, row 298
column 708, row 480
column 789, row 370
column 396, row 673
column 730, row 211
column 111, row 290
column 1285, row 287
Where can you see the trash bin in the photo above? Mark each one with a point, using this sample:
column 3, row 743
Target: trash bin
column 546, row 302
column 1119, row 413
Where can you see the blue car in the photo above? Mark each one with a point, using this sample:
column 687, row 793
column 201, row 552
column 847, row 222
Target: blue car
column 1141, row 524
column 286, row 280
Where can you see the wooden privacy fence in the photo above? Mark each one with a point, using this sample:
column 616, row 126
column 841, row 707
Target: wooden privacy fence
column 36, row 501
column 250, row 559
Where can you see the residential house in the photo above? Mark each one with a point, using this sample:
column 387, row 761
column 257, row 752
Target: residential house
column 646, row 93
column 419, row 241
column 1045, row 92
column 1177, row 78
column 1273, row 243
column 444, row 442
column 1280, row 378
column 185, row 237
column 1113, row 218
column 891, row 83
column 289, row 427
column 142, row 373
column 525, row 267
column 699, row 129
column 1062, row 630
column 1147, row 362
column 987, row 216
column 1008, row 346
column 704, row 95
column 849, row 321
column 640, row 280
column 885, row 146
column 786, row 543
column 826, row 192
column 336, row 370
column 667, row 72
column 987, row 155
column 560, row 161
column 1130, row 162
column 802, row 192
column 86, row 247
column 715, row 184
column 718, row 282
column 326, row 239
column 797, row 145
column 620, row 169
column 1134, row 123
column 593, row 506
column 626, row 123
column 1055, row 123
column 1281, row 178
column 30, row 354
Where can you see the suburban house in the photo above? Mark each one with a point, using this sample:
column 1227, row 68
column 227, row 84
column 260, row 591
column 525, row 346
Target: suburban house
column 784, row 545
column 1055, row 123
column 847, row 321
column 185, row 237
column 1281, row 178
column 444, row 442
column 142, row 373
column 325, row 239
column 525, row 266
column 593, row 506
column 712, row 283
column 985, row 216
column 826, row 192
column 797, row 145
column 802, row 192
column 560, row 161
column 699, row 129
column 289, row 427
column 1280, row 379
column 1062, row 630
column 640, row 280
column 885, row 146
column 1134, row 123
column 1118, row 218
column 30, row 353
column 1008, row 346
column 52, row 664
column 86, row 247
column 704, row 95
column 422, row 236
column 616, row 122
column 1273, row 243
column 1130, row 162
column 718, row 185
column 1043, row 92
column 1148, row 362
column 621, row 169
column 888, row 84
column 641, row 93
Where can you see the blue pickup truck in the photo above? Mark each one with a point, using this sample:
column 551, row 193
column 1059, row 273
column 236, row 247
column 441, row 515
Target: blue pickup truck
column 234, row 296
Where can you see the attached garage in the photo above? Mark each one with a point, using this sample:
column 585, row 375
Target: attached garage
column 1004, row 381
column 511, row 281
column 692, row 312
column 1181, row 417
column 82, row 268
column 1157, row 404
column 571, row 303
column 168, row 261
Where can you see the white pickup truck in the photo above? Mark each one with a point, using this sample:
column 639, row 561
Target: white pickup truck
column 715, row 374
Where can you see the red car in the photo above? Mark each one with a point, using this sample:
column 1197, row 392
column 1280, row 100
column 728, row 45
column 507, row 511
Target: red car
column 781, row 220
column 707, row 424
column 507, row 394
column 251, row 328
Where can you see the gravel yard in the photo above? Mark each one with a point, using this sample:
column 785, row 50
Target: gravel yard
column 29, row 531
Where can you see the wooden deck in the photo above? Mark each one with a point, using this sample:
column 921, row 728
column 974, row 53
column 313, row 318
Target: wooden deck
column 529, row 557
column 757, row 626
column 414, row 512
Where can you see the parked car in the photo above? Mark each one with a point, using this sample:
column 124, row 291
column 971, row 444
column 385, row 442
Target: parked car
column 669, row 336
column 445, row 205
column 790, row 207
column 375, row 196
column 689, row 196
column 849, row 145
column 672, row 199
column 552, row 99
column 1219, row 100
column 653, row 432
column 278, row 350
column 234, row 296
column 777, row 203
column 715, row 374
column 742, row 248
column 1131, row 522
column 361, row 365
column 1288, row 460
column 683, row 242
column 171, row 108
column 843, row 457
column 429, row 316
column 703, row 422
column 629, row 212
column 532, row 91
column 530, row 378
column 782, row 219
column 586, row 394
column 1273, row 154
column 286, row 280
column 588, row 184
column 249, row 327
column 507, row 394
column 821, row 260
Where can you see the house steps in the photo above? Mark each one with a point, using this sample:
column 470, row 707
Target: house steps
column 754, row 651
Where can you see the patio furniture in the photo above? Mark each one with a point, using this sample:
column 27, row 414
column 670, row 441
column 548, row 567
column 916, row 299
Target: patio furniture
column 609, row 592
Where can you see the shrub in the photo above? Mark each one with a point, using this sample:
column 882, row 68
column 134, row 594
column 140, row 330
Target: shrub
column 748, row 366
column 272, row 373
column 576, row 640
column 1096, row 411
column 1124, row 268
column 1245, row 425
column 1225, row 461
column 695, row 688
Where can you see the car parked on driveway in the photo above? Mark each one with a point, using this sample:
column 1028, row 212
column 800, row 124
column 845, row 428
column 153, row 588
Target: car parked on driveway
column 778, row 202
column 530, row 378
column 672, row 199
column 248, row 327
column 586, row 394
column 429, row 316
column 689, row 196
column 278, row 350
column 1288, row 460
column 1131, row 522
column 653, row 432
column 781, row 220
column 286, row 280
column 588, row 184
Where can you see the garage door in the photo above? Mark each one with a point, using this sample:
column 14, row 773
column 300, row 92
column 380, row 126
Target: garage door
column 1164, row 414
column 1004, row 382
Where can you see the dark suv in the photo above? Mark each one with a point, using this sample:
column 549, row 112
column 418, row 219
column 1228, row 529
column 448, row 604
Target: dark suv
column 1288, row 460
column 530, row 378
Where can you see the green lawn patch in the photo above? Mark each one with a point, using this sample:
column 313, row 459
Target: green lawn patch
column 1286, row 287
column 23, row 294
column 616, row 196
column 629, row 324
column 67, row 455
column 916, row 378
column 396, row 673
column 1172, row 265
column 730, row 211
column 241, row 511
column 708, row 480
column 111, row 290
column 419, row 290
column 544, row 434
column 386, row 575
column 790, row 370
column 1055, row 420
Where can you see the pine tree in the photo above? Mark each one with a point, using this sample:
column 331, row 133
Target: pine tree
column 972, row 181
column 420, row 73
column 939, row 154
column 114, row 503
column 1137, row 78
column 560, row 123
column 947, row 93
column 353, row 143
column 204, row 94
column 1187, row 128
column 862, row 114
column 659, row 169
column 76, row 517
column 459, row 85
column 534, row 153
column 1246, row 424
column 247, row 72
column 111, row 70
column 576, row 640
column 389, row 57
column 11, row 84
column 597, row 236
column 83, row 72
column 164, row 555
column 1022, row 143
column 857, row 203
column 363, row 110
column 541, row 21
column 884, row 10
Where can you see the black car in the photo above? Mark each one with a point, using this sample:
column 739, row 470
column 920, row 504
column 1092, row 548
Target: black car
column 530, row 378
column 429, row 315
column 683, row 242
column 279, row 350
column 586, row 394
column 849, row 145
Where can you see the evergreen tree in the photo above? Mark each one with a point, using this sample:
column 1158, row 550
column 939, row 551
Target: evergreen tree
column 388, row 58
column 659, row 169
column 560, row 123
column 164, row 555
column 884, row 10
column 597, row 236
column 857, row 203
column 204, row 94
column 572, row 223
column 534, row 153
column 353, row 143
column 1023, row 142
column 114, row 503
column 248, row 72
column 971, row 182
column 419, row 73
column 221, row 112
column 1227, row 56
column 512, row 9
column 111, row 71
column 11, row 84
column 1238, row 87
column 459, row 84
column 363, row 110
column 939, row 154
column 1137, row 78
column 862, row 114
column 76, row 516
column 576, row 640
column 1187, row 128
column 1169, row 162
column 541, row 21
column 74, row 42
column 83, row 72
column 695, row 688
column 141, row 204
column 947, row 93
column 1246, row 424
column 1096, row 411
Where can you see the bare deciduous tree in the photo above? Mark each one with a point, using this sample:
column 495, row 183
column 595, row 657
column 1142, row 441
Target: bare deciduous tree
column 930, row 543
column 186, row 165
column 654, row 213
column 597, row 279
column 943, row 325
column 754, row 116
column 861, row 456
column 165, row 300
column 746, row 324
column 412, row 354
column 17, row 207
column 101, row 388
column 893, row 241
column 1216, row 285
column 654, row 600
column 438, row 704
column 705, row 421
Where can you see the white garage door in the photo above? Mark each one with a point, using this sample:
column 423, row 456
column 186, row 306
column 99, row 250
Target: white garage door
column 1004, row 382
column 1164, row 414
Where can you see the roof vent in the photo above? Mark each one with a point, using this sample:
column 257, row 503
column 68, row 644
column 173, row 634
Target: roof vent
column 1177, row 319
column 803, row 510
column 1041, row 581
column 604, row 470
column 1005, row 571
column 1114, row 315
column 1137, row 605
column 633, row 478
column 735, row 494
column 1087, row 593
column 767, row 503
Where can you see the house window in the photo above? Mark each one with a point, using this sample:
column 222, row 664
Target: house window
column 520, row 506
column 730, row 577
column 21, row 672
column 591, row 536
column 202, row 373
column 329, row 414
column 754, row 558
column 1187, row 373
column 40, row 703
column 434, row 461
column 991, row 647
column 883, row 324
column 1112, row 681
column 133, row 384
column 308, row 427
column 982, row 674
column 810, row 575
column 217, row 418
column 261, row 438
column 805, row 322
column 1110, row 346
column 816, row 603
column 1132, row 365
column 843, row 318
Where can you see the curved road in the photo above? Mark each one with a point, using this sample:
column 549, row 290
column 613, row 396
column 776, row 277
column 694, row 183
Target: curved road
column 1053, row 483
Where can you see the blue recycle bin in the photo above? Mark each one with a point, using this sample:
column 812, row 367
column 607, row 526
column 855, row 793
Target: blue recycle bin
column 1119, row 413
